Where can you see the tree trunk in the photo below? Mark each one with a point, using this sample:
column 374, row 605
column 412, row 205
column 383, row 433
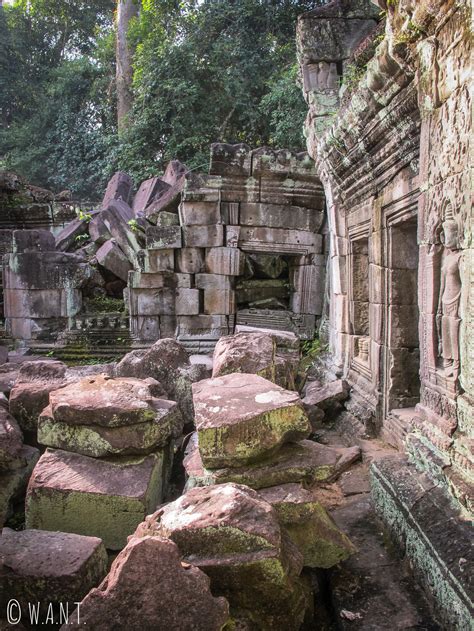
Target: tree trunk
column 126, row 10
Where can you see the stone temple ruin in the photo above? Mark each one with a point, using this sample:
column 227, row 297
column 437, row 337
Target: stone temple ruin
column 217, row 462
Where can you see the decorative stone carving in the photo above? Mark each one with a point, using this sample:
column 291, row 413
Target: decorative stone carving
column 447, row 317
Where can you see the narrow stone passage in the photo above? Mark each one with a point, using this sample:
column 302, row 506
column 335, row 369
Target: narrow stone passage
column 374, row 589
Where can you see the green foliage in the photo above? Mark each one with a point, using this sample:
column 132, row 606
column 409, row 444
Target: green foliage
column 84, row 216
column 81, row 238
column 54, row 110
column 204, row 71
column 104, row 304
column 312, row 348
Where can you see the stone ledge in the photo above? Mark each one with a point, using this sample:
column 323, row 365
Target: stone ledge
column 436, row 541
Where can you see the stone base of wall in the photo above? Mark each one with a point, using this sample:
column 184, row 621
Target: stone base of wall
column 434, row 537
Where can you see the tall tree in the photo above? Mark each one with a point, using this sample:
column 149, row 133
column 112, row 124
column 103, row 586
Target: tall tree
column 126, row 10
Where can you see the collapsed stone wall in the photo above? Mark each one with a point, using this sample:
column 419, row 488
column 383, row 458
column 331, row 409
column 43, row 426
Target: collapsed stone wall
column 196, row 255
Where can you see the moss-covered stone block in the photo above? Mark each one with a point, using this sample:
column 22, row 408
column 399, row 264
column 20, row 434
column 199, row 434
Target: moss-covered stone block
column 102, row 498
column 242, row 418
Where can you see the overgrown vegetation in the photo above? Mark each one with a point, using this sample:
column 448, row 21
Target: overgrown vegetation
column 104, row 304
column 204, row 71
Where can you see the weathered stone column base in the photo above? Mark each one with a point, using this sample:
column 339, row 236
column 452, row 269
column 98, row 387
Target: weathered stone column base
column 435, row 539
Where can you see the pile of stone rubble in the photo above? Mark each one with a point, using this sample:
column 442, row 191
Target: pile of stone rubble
column 232, row 550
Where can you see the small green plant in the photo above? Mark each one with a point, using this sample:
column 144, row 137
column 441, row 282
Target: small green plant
column 104, row 304
column 81, row 238
column 134, row 225
column 84, row 215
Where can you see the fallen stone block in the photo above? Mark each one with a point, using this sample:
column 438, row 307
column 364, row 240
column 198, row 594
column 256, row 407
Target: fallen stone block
column 310, row 527
column 40, row 567
column 66, row 238
column 168, row 199
column 119, row 187
column 245, row 352
column 242, row 418
column 101, row 400
column 148, row 191
column 13, row 483
column 98, row 441
column 328, row 397
column 234, row 536
column 167, row 362
column 11, row 441
column 110, row 256
column 146, row 567
column 87, row 496
column 306, row 461
column 30, row 395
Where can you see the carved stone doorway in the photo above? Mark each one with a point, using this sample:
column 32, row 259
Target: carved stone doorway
column 401, row 356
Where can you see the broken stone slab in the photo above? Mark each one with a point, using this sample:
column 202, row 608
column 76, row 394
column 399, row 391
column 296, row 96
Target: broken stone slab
column 13, row 483
column 192, row 213
column 168, row 199
column 306, row 461
column 11, row 441
column 167, row 362
column 245, row 352
column 146, row 567
column 310, row 527
column 242, row 418
column 98, row 441
column 66, row 238
column 163, row 237
column 119, row 187
column 110, row 256
column 234, row 536
column 283, row 339
column 209, row 236
column 101, row 400
column 328, row 397
column 30, row 394
column 116, row 219
column 227, row 261
column 101, row 498
column 190, row 260
column 49, row 567
column 149, row 189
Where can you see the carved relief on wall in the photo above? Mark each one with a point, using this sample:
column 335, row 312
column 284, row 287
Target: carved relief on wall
column 449, row 136
column 447, row 315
